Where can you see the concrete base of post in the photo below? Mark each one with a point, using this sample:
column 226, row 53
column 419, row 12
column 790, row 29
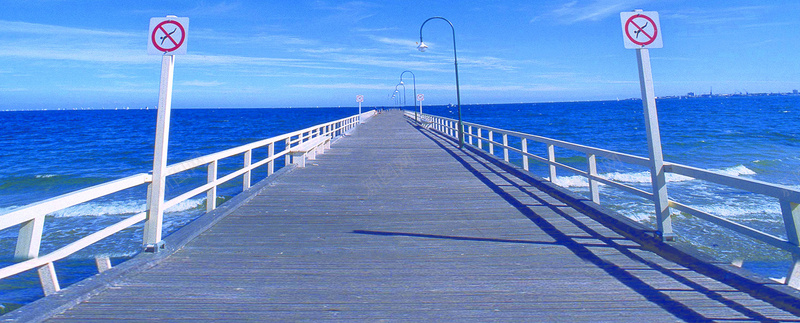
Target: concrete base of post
column 153, row 248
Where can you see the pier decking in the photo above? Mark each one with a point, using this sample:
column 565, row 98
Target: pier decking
column 396, row 223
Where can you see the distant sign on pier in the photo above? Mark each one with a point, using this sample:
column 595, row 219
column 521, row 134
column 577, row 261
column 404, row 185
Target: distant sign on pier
column 167, row 35
column 641, row 29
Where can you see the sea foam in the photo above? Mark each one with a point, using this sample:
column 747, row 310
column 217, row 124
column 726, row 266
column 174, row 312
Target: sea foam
column 122, row 208
column 644, row 177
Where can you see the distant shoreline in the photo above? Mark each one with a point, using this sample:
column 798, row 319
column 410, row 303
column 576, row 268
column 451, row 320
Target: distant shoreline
column 795, row 93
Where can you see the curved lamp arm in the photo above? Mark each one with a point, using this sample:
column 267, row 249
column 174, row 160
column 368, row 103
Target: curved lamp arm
column 422, row 47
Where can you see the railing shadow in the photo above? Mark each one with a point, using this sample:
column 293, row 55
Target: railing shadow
column 471, row 161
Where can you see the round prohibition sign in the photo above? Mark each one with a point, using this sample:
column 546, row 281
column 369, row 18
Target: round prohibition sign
column 639, row 29
column 359, row 98
column 167, row 42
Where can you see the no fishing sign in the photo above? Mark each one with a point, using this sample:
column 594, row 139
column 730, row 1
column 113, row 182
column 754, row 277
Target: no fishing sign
column 167, row 35
column 641, row 29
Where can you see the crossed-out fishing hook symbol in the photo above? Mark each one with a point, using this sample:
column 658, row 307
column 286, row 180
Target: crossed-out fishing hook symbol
column 635, row 32
column 163, row 38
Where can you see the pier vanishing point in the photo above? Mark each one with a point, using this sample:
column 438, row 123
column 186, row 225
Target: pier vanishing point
column 396, row 223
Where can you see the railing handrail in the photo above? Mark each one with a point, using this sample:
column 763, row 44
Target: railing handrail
column 789, row 198
column 31, row 217
column 58, row 203
column 750, row 185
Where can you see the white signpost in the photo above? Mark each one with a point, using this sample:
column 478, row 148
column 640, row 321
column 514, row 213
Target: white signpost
column 641, row 30
column 420, row 98
column 167, row 37
column 359, row 99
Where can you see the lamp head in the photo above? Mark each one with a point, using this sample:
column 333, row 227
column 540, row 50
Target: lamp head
column 422, row 47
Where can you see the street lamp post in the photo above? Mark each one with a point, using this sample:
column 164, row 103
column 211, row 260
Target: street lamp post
column 422, row 47
column 414, row 78
column 404, row 91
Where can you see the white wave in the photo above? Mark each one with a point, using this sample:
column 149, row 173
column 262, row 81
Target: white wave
column 102, row 208
column 571, row 181
column 630, row 178
column 187, row 205
column 766, row 212
column 121, row 208
column 46, row 176
column 739, row 170
column 642, row 177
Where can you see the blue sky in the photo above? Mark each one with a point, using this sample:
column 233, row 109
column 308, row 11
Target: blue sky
column 73, row 54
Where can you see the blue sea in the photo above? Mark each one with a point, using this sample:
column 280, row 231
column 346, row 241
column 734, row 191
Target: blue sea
column 48, row 153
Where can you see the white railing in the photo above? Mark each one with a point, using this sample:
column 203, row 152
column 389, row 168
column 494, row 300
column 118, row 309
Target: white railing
column 788, row 198
column 31, row 218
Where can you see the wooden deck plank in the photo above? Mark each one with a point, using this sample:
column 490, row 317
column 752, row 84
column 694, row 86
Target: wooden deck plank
column 397, row 223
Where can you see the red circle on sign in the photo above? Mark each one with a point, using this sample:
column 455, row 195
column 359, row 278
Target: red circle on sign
column 359, row 98
column 168, row 36
column 650, row 38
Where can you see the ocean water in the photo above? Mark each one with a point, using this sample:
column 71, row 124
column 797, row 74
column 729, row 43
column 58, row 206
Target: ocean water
column 48, row 153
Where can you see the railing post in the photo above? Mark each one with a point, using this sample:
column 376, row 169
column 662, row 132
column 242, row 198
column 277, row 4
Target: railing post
column 48, row 279
column 29, row 239
column 594, row 187
column 551, row 157
column 505, row 147
column 791, row 220
column 491, row 142
column 247, row 178
column 211, row 195
column 103, row 263
column 287, row 157
column 480, row 140
column 271, row 163
column 470, row 134
column 524, row 153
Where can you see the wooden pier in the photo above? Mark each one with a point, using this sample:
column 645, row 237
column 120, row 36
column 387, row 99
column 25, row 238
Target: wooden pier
column 395, row 222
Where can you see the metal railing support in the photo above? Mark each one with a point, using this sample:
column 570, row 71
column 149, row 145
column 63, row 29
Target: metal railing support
column 791, row 220
column 287, row 157
column 48, row 279
column 480, row 140
column 551, row 157
column 505, row 147
column 211, row 195
column 29, row 239
column 271, row 163
column 470, row 134
column 491, row 142
column 524, row 153
column 247, row 177
column 594, row 187
column 103, row 263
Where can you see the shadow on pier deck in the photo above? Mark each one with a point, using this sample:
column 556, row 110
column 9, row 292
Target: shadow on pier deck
column 397, row 223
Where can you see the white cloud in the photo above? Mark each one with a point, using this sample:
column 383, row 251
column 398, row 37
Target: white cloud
column 410, row 44
column 16, row 28
column 201, row 83
column 574, row 12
